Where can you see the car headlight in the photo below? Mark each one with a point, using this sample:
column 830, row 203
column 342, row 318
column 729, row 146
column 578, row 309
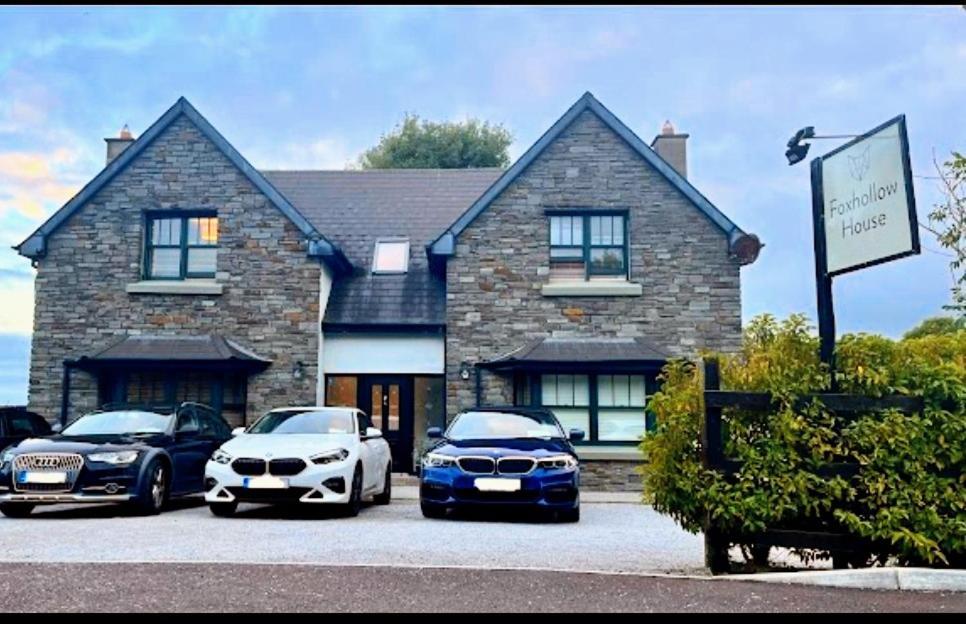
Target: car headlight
column 330, row 457
column 435, row 460
column 558, row 462
column 221, row 457
column 118, row 458
column 6, row 458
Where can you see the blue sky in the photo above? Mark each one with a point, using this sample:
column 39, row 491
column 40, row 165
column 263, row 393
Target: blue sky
column 313, row 87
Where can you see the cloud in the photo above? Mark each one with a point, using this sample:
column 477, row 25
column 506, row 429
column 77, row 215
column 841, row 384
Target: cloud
column 36, row 183
column 321, row 153
column 17, row 312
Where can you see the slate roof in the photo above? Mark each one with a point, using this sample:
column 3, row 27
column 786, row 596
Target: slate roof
column 178, row 348
column 354, row 208
column 580, row 350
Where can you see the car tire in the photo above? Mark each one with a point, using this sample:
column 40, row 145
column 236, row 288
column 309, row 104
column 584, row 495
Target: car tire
column 223, row 510
column 570, row 515
column 153, row 493
column 352, row 508
column 385, row 497
column 433, row 512
column 16, row 510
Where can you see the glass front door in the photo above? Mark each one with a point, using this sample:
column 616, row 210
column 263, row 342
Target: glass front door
column 389, row 402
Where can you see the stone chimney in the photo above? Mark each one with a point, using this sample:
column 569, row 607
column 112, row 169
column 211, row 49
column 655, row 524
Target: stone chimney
column 672, row 147
column 118, row 145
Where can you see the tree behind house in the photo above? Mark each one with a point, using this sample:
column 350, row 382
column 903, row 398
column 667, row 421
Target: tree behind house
column 417, row 143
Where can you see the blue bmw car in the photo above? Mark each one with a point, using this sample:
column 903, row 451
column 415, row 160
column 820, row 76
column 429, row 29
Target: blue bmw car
column 513, row 456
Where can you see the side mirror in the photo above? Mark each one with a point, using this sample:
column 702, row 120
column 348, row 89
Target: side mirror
column 576, row 435
column 434, row 433
column 237, row 431
column 187, row 433
column 56, row 428
column 372, row 433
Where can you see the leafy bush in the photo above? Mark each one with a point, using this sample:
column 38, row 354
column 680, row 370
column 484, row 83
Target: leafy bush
column 910, row 492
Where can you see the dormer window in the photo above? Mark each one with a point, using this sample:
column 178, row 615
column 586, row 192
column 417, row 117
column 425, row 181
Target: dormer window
column 584, row 245
column 391, row 256
column 181, row 245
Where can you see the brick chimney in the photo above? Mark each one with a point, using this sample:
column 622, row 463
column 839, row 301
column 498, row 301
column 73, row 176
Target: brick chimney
column 118, row 145
column 672, row 147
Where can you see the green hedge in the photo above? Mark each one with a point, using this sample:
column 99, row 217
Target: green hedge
column 897, row 499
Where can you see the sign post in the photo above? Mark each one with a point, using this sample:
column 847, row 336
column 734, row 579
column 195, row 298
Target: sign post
column 863, row 214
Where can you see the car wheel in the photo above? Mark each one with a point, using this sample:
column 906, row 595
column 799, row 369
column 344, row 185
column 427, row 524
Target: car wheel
column 16, row 510
column 355, row 494
column 223, row 510
column 434, row 512
column 570, row 515
column 386, row 496
column 154, row 490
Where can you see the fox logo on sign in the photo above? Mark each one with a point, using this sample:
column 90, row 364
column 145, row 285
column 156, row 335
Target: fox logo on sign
column 859, row 165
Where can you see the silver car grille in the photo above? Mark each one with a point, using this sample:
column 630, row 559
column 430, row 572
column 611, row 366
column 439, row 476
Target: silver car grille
column 69, row 463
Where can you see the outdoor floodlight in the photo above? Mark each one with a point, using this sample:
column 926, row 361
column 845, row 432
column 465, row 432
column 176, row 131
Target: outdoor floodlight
column 797, row 151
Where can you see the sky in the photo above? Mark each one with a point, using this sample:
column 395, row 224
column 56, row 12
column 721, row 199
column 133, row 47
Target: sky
column 312, row 87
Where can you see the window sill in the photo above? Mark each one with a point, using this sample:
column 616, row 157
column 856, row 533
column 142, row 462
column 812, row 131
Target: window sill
column 593, row 288
column 611, row 453
column 175, row 287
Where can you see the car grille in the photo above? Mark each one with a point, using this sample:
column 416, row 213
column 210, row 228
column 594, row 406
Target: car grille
column 249, row 466
column 476, row 465
column 515, row 465
column 287, row 467
column 69, row 463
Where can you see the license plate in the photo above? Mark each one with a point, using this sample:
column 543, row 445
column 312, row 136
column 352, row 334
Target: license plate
column 497, row 485
column 26, row 476
column 265, row 483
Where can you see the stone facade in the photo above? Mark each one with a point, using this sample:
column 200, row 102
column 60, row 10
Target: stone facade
column 611, row 476
column 691, row 296
column 270, row 300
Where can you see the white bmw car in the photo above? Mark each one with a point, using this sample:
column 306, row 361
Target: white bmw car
column 310, row 455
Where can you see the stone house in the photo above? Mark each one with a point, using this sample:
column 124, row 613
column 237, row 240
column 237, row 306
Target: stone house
column 181, row 272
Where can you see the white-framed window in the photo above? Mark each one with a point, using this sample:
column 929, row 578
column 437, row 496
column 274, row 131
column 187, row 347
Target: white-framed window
column 391, row 255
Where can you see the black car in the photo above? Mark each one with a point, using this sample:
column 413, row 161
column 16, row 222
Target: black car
column 132, row 455
column 17, row 424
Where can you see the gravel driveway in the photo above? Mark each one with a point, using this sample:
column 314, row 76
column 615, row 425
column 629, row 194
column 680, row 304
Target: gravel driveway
column 609, row 537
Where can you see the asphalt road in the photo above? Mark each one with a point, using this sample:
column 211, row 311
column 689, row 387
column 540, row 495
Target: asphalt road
column 273, row 588
column 609, row 537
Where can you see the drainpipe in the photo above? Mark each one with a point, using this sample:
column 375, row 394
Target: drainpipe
column 65, row 392
column 479, row 385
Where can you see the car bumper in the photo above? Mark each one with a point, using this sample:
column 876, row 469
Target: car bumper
column 316, row 485
column 41, row 498
column 445, row 487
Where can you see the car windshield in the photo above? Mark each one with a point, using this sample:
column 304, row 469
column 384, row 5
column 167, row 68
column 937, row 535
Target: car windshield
column 503, row 425
column 317, row 421
column 117, row 423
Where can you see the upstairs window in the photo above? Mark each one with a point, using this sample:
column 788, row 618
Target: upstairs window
column 584, row 245
column 391, row 256
column 182, row 246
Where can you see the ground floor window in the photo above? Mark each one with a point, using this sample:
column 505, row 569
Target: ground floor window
column 609, row 407
column 224, row 392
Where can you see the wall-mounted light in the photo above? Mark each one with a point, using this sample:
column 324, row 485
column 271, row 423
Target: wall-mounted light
column 298, row 370
column 464, row 370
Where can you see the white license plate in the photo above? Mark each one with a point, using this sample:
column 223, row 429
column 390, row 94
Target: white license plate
column 497, row 485
column 27, row 476
column 265, row 483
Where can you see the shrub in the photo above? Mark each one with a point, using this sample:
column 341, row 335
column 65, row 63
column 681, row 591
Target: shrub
column 910, row 492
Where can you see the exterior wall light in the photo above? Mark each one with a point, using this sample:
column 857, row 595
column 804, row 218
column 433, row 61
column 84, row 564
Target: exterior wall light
column 464, row 370
column 298, row 370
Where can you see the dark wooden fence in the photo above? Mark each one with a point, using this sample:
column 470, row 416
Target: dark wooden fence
column 717, row 540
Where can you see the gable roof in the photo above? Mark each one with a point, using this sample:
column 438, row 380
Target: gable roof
column 317, row 245
column 445, row 244
column 358, row 207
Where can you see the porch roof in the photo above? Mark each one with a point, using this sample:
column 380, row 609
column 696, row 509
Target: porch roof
column 211, row 349
column 580, row 353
